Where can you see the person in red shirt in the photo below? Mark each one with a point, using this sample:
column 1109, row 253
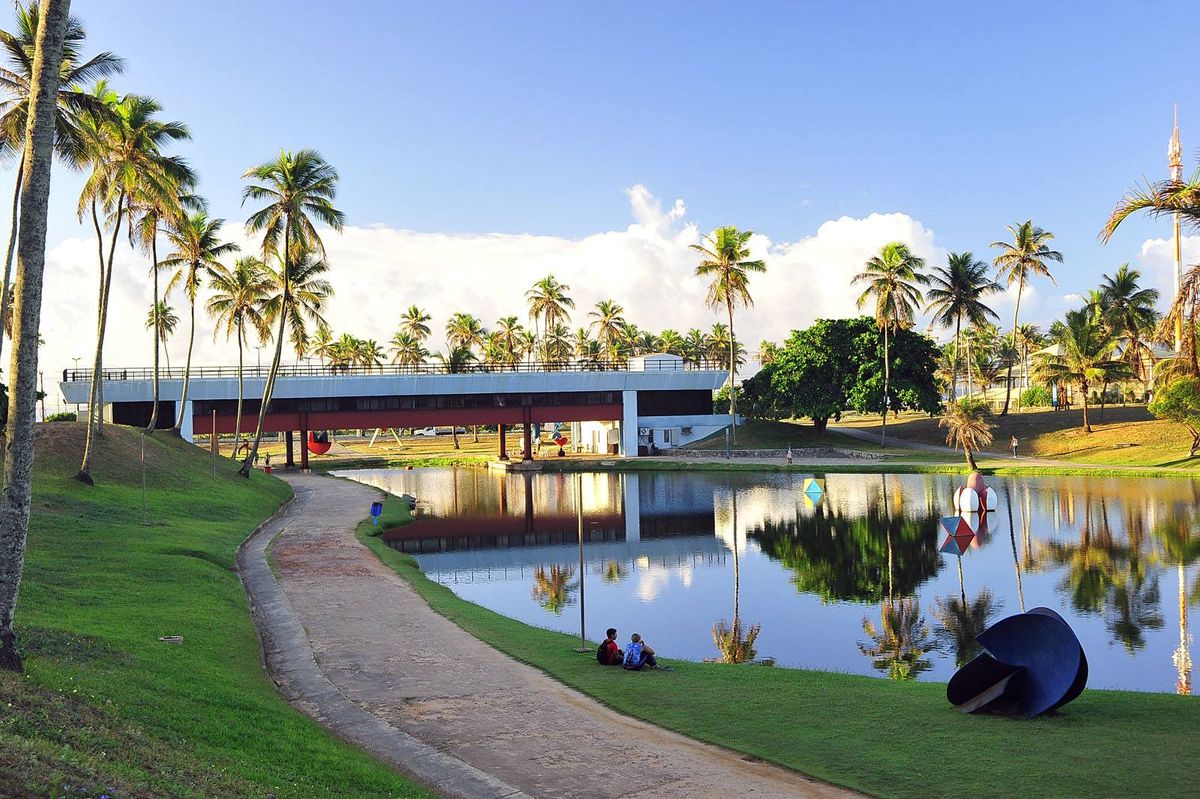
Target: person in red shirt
column 609, row 653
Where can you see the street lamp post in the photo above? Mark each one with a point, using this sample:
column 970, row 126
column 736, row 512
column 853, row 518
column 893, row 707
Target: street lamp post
column 583, row 647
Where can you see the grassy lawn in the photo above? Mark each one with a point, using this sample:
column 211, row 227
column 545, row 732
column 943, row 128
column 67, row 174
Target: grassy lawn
column 888, row 739
column 1122, row 436
column 767, row 434
column 104, row 707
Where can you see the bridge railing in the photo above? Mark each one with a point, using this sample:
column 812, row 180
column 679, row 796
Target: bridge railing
column 330, row 370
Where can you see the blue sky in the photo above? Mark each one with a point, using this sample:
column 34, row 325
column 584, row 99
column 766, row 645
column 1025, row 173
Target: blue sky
column 537, row 118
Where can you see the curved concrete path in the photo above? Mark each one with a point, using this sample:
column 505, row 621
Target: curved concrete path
column 355, row 647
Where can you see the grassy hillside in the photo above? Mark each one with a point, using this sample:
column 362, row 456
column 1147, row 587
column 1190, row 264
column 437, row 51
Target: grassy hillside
column 105, row 708
column 1122, row 436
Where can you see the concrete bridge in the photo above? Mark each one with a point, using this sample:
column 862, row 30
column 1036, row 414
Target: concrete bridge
column 653, row 400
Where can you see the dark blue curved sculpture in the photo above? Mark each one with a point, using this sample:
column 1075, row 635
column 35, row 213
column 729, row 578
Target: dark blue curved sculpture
column 1032, row 659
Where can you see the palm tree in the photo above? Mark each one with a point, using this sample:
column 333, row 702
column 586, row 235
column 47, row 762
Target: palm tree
column 1084, row 358
column 768, row 351
column 162, row 316
column 508, row 336
column 581, row 343
column 890, row 278
column 407, row 349
column 125, row 147
column 957, row 291
column 1028, row 337
column 35, row 187
column 414, row 321
column 607, row 320
column 322, row 342
column 197, row 251
column 236, row 306
column 464, row 330
column 297, row 188
column 670, row 341
column 548, row 301
column 1181, row 200
column 1020, row 260
column 735, row 643
column 556, row 344
column 1129, row 311
column 967, row 426
column 371, row 355
column 725, row 257
column 694, row 346
column 456, row 360
column 71, row 103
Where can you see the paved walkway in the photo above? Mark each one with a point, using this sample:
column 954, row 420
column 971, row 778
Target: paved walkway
column 397, row 672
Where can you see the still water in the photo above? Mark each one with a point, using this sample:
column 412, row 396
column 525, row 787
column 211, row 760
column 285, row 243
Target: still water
column 742, row 566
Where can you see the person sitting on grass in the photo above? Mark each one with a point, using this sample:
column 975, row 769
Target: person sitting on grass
column 639, row 654
column 609, row 653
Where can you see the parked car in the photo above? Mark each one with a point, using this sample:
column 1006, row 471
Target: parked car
column 425, row 431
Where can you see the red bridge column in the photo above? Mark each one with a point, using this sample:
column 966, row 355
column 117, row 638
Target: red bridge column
column 288, row 442
column 304, row 445
column 503, row 444
column 527, row 436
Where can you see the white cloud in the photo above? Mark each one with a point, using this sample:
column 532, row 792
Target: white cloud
column 378, row 271
column 1156, row 261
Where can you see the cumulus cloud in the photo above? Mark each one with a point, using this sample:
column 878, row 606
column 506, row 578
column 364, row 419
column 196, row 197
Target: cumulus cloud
column 378, row 271
column 1156, row 261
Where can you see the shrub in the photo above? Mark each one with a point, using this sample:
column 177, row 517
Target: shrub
column 1036, row 397
column 64, row 416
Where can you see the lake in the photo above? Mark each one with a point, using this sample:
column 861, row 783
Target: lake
column 851, row 577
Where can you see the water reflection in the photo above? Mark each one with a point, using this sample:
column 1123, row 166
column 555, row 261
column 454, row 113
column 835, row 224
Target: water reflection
column 857, row 570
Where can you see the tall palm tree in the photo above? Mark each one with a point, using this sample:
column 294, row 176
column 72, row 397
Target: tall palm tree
column 236, row 305
column 126, row 151
column 298, row 189
column 162, row 317
column 1179, row 199
column 1084, row 358
column 891, row 278
column 725, row 258
column 407, row 349
column 694, row 346
column 670, row 341
column 197, row 250
column 548, row 301
column 508, row 337
column 322, row 342
column 957, row 291
column 556, row 344
column 31, row 254
column 607, row 319
column 1019, row 260
column 1129, row 310
column 581, row 342
column 464, row 330
column 1028, row 338
column 415, row 322
column 71, row 103
column 967, row 427
column 371, row 355
column 148, row 209
column 456, row 360
column 768, row 351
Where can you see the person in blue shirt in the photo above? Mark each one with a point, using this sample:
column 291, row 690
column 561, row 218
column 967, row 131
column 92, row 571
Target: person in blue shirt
column 639, row 654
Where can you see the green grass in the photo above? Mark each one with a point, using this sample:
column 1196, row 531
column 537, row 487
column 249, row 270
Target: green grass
column 888, row 739
column 104, row 707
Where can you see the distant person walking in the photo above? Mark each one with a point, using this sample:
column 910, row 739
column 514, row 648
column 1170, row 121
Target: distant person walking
column 1013, row 444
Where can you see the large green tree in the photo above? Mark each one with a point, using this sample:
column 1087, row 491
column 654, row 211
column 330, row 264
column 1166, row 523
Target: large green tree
column 1179, row 402
column 1083, row 357
column 297, row 189
column 1019, row 260
column 726, row 262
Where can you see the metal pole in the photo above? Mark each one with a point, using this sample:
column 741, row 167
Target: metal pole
column 215, row 444
column 728, row 454
column 583, row 647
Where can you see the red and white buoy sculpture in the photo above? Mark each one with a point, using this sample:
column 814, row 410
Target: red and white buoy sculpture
column 975, row 497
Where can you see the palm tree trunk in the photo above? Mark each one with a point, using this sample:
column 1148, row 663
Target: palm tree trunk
column 237, row 422
column 84, row 475
column 285, row 301
column 187, row 366
column 23, row 362
column 954, row 366
column 1012, row 539
column 732, row 374
column 1083, row 389
column 970, row 457
column 1008, row 381
column 8, row 258
column 156, row 331
column 887, row 373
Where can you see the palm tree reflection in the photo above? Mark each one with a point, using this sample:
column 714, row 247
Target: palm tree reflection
column 1179, row 541
column 614, row 572
column 735, row 642
column 960, row 620
column 552, row 588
